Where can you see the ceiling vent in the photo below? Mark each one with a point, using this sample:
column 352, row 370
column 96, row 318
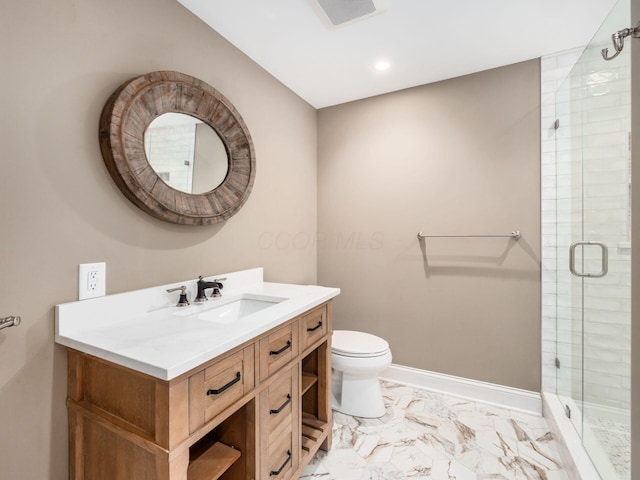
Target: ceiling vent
column 342, row 12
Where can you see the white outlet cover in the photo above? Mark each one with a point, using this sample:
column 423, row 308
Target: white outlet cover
column 92, row 280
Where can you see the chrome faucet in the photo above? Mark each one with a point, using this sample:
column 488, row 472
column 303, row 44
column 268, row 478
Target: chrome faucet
column 204, row 285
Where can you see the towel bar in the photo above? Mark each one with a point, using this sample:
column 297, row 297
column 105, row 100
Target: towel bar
column 515, row 235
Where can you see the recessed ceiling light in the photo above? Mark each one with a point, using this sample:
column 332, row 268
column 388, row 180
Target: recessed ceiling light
column 382, row 65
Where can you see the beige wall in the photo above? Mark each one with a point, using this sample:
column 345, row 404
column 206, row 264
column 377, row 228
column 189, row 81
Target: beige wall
column 460, row 156
column 60, row 62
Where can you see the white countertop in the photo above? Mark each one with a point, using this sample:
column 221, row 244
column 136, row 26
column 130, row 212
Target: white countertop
column 145, row 331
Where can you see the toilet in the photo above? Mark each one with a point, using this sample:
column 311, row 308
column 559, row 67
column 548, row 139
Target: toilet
column 356, row 360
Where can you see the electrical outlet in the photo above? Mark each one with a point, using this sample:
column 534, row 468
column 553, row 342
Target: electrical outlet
column 91, row 280
column 92, row 283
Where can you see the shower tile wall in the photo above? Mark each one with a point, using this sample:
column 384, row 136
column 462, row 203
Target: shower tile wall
column 600, row 123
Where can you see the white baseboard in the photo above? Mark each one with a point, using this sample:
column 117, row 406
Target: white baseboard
column 498, row 395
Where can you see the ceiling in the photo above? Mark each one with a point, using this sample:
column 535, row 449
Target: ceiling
column 424, row 41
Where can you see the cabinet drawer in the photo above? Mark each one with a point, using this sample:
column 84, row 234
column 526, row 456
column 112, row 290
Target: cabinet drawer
column 219, row 386
column 279, row 404
column 278, row 349
column 280, row 460
column 313, row 326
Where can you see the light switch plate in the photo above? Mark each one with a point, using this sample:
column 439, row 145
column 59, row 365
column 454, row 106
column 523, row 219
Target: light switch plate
column 92, row 280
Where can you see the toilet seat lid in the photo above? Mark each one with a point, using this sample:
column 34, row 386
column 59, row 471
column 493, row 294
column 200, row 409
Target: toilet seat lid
column 350, row 343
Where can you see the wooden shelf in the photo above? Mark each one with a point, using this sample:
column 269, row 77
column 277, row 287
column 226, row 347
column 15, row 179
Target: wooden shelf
column 313, row 433
column 307, row 445
column 312, row 430
column 213, row 462
column 308, row 380
column 311, row 421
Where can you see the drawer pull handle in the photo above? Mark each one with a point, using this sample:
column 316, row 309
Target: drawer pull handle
column 286, row 402
column 313, row 329
column 216, row 391
column 273, row 473
column 278, row 352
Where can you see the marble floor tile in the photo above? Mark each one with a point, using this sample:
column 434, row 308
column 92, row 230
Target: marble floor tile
column 429, row 436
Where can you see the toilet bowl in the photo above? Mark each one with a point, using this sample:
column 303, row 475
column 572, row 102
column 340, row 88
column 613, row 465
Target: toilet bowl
column 356, row 360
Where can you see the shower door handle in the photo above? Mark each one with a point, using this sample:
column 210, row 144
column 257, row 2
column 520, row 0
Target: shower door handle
column 605, row 260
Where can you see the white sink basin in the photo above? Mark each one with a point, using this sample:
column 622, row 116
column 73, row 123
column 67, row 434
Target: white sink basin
column 230, row 310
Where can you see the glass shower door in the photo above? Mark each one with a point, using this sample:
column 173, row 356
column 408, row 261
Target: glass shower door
column 593, row 248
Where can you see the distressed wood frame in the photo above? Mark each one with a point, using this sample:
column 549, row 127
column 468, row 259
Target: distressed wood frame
column 126, row 116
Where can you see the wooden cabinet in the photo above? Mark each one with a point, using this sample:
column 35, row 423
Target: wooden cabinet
column 260, row 411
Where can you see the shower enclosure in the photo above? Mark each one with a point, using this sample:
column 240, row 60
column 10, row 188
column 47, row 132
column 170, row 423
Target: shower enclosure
column 593, row 248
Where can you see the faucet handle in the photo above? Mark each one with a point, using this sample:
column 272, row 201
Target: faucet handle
column 200, row 277
column 183, row 301
column 216, row 290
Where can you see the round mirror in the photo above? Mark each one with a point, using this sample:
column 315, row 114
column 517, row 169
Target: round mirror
column 186, row 153
column 203, row 178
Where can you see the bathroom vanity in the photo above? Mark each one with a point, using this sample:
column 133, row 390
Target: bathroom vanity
column 237, row 388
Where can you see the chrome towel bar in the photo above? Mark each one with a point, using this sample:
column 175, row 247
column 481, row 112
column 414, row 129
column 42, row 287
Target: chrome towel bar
column 515, row 235
column 9, row 322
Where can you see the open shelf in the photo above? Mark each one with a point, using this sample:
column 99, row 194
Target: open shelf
column 312, row 421
column 307, row 445
column 227, row 451
column 313, row 433
column 314, row 430
column 212, row 462
column 308, row 381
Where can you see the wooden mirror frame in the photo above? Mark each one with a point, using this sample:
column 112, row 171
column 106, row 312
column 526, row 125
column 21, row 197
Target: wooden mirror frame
column 124, row 120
